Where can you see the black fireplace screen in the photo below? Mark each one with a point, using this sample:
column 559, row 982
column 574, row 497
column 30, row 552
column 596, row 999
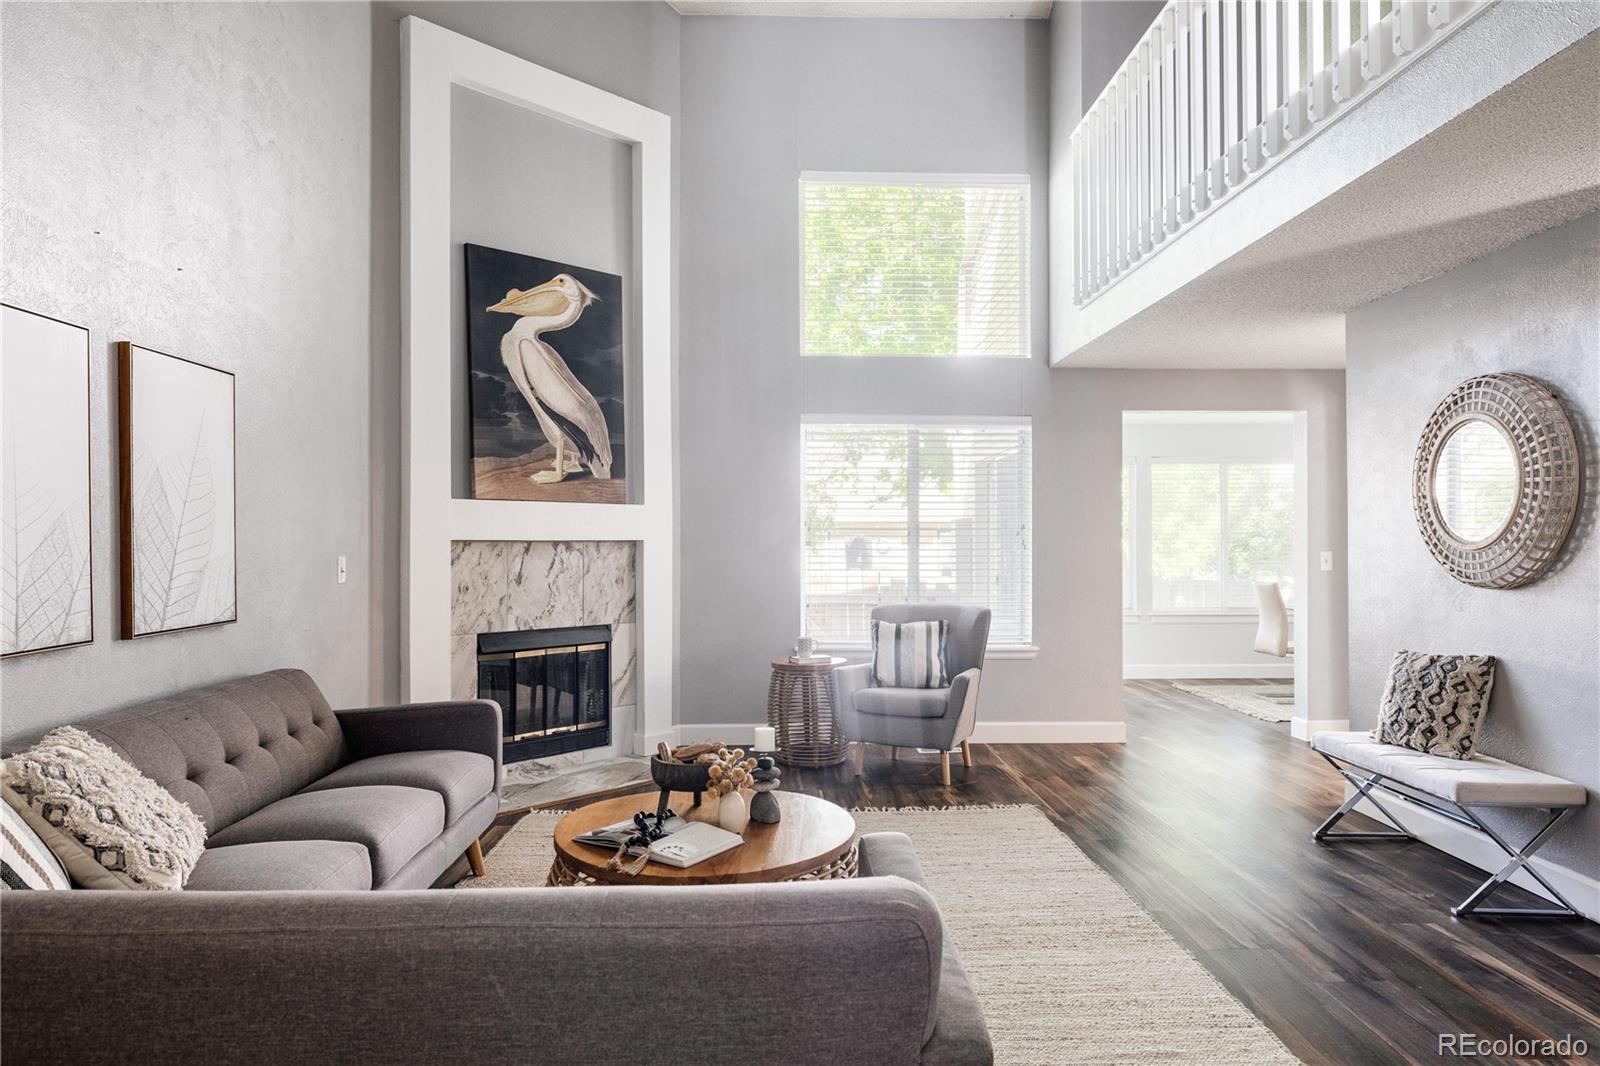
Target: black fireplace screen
column 553, row 687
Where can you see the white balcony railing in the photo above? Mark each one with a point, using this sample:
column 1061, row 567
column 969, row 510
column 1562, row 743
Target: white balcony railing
column 1215, row 93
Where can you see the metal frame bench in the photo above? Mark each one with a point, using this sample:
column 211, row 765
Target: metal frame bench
column 1454, row 789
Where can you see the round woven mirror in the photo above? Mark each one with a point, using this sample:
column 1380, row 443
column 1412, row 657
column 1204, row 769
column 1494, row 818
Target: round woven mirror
column 1496, row 482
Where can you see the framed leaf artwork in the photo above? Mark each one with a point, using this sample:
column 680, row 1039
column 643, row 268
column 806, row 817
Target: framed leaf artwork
column 46, row 558
column 176, row 429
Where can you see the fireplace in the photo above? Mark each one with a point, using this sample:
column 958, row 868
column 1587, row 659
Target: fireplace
column 553, row 687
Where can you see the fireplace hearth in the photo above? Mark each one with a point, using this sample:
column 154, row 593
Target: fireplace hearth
column 553, row 687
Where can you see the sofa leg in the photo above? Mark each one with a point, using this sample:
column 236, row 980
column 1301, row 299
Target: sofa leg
column 894, row 753
column 475, row 859
column 966, row 754
column 861, row 749
column 944, row 767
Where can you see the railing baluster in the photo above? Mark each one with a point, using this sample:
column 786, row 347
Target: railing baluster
column 1317, row 60
column 1250, row 84
column 1183, row 116
column 1376, row 45
column 1271, row 85
column 1232, row 75
column 1199, row 193
column 1344, row 13
column 1214, row 97
column 1294, row 80
column 1166, row 211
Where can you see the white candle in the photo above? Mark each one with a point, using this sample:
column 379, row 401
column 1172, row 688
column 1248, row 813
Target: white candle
column 766, row 738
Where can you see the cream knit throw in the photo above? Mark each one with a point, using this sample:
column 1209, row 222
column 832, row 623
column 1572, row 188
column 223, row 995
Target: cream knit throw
column 110, row 825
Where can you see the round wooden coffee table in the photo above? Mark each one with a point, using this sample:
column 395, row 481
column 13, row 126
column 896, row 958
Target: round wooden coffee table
column 815, row 841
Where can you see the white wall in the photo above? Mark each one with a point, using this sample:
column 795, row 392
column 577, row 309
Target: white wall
column 1172, row 645
column 1533, row 308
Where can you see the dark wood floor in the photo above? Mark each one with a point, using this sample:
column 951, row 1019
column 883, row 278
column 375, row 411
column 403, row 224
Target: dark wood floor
column 1205, row 815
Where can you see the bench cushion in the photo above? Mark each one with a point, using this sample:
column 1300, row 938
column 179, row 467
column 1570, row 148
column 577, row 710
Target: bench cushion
column 1479, row 780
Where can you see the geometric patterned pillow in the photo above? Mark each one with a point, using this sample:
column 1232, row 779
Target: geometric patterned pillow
column 1435, row 703
column 109, row 824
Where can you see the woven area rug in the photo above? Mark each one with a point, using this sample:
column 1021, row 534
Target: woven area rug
column 1067, row 966
column 1270, row 703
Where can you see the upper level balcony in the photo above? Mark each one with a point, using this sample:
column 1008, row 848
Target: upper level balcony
column 1255, row 168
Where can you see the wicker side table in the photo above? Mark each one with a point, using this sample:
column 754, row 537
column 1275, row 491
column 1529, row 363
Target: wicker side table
column 801, row 707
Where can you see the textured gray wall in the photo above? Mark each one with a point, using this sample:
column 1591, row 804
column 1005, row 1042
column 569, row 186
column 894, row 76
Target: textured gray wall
column 1533, row 308
column 195, row 178
column 763, row 100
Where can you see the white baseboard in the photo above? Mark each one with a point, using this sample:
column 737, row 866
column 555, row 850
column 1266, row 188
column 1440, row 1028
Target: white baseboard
column 1204, row 671
column 1306, row 728
column 645, row 743
column 1474, row 848
column 985, row 733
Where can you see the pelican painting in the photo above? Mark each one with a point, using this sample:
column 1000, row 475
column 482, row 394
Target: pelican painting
column 545, row 344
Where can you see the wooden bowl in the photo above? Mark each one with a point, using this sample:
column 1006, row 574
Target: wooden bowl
column 678, row 777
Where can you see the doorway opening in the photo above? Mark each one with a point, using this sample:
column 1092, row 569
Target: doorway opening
column 1214, row 532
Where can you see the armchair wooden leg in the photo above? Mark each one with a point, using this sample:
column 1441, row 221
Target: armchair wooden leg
column 861, row 748
column 894, row 754
column 966, row 754
column 475, row 859
column 944, row 767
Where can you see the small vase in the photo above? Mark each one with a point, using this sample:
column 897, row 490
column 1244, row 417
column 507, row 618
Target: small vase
column 732, row 814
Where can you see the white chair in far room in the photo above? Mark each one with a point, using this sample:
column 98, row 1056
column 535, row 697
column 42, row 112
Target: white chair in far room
column 1272, row 628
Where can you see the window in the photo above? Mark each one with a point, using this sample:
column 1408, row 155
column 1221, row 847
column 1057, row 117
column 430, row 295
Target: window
column 924, row 265
column 1215, row 529
column 930, row 512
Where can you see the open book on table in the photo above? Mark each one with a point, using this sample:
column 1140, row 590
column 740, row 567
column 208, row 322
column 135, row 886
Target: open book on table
column 685, row 843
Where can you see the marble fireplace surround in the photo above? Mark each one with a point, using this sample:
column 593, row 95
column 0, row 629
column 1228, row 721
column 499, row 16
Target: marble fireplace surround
column 506, row 585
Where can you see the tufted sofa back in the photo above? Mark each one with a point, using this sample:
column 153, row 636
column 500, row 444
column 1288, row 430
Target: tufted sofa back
column 227, row 750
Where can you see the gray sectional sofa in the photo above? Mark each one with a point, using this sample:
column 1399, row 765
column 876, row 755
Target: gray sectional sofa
column 300, row 799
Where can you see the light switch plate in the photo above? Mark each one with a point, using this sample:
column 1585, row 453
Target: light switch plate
column 1327, row 561
column 342, row 569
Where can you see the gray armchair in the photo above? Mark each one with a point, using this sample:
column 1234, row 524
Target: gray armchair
column 919, row 717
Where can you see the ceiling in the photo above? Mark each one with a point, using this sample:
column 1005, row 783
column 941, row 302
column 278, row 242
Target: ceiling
column 903, row 9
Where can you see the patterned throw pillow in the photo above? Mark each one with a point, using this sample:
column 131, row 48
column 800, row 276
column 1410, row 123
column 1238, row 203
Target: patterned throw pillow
column 909, row 654
column 1435, row 703
column 24, row 860
column 111, row 826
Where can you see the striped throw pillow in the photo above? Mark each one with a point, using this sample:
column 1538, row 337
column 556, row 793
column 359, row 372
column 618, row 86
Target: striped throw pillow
column 909, row 654
column 24, row 860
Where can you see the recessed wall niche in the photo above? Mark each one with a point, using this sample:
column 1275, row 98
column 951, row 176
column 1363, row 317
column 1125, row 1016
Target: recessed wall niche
column 533, row 185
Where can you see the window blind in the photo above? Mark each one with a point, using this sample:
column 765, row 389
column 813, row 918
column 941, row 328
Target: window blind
column 1215, row 529
column 931, row 267
column 905, row 513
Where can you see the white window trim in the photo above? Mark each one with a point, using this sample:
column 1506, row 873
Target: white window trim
column 993, row 651
column 1159, row 616
column 852, row 177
